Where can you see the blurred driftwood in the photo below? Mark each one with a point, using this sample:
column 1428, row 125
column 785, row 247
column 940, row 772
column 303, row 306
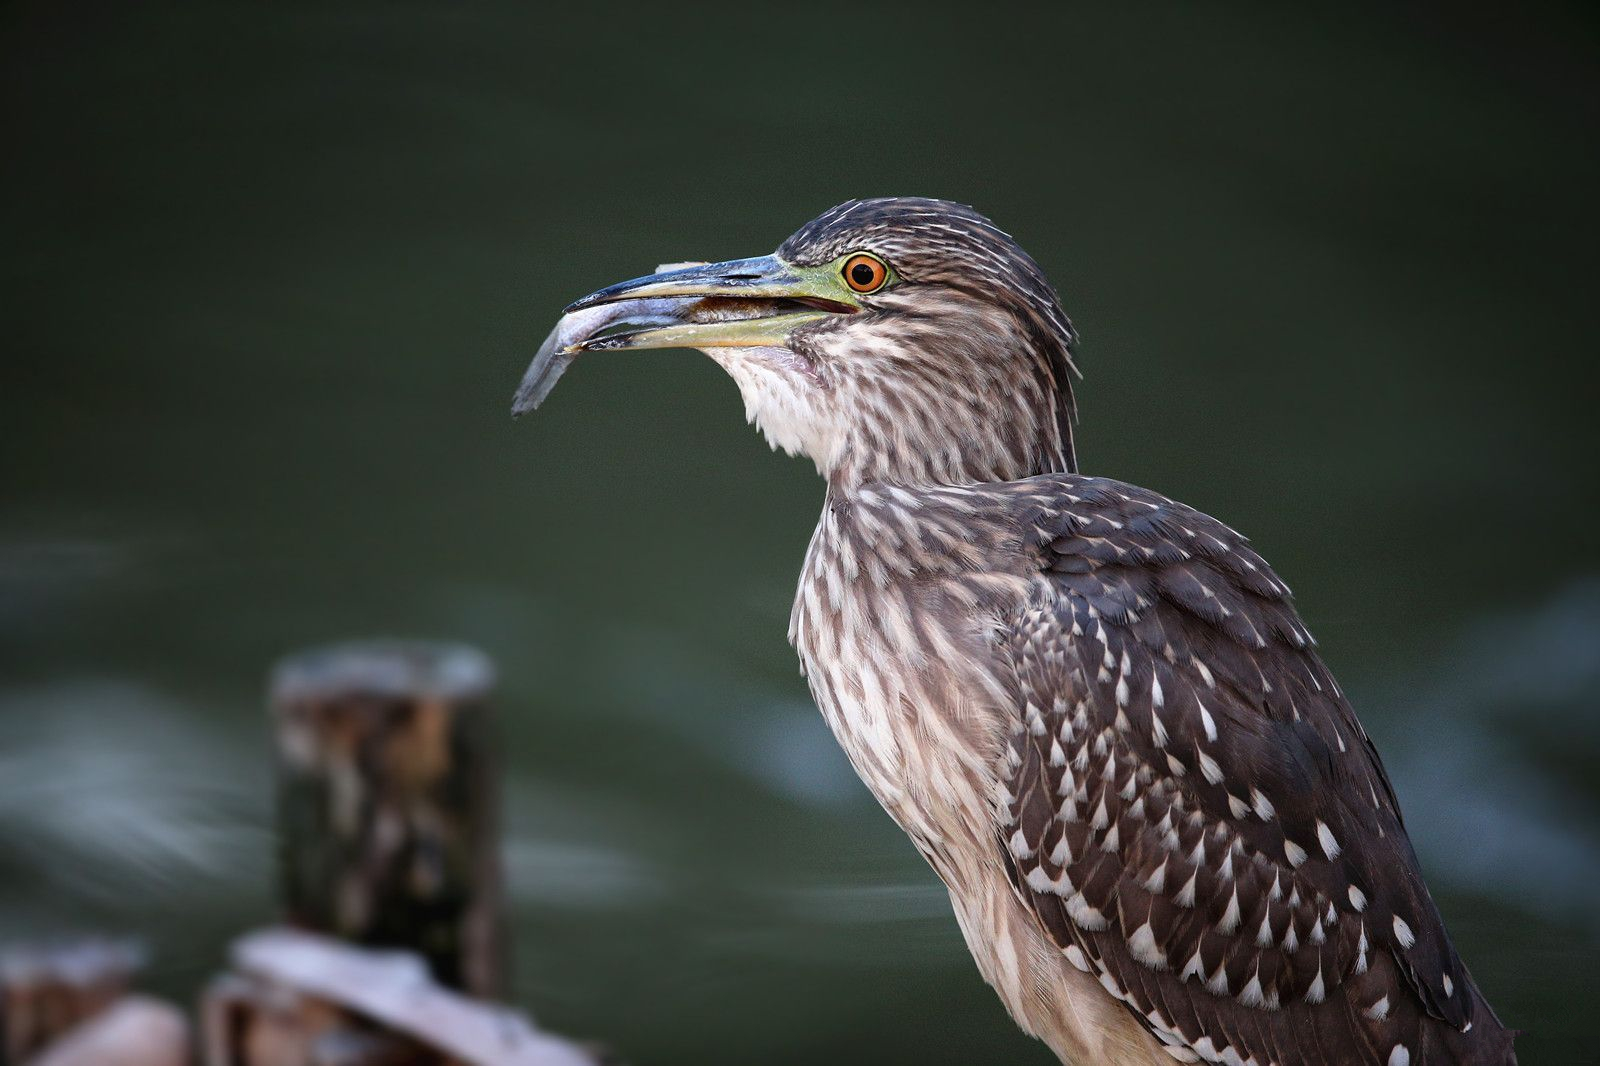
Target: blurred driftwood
column 298, row 998
column 249, row 1021
column 389, row 834
column 133, row 1031
column 45, row 991
column 387, row 803
column 388, row 829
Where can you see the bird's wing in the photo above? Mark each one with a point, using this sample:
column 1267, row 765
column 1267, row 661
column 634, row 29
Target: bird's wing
column 1195, row 815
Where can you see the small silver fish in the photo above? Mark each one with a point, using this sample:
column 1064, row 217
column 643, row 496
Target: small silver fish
column 575, row 327
column 557, row 352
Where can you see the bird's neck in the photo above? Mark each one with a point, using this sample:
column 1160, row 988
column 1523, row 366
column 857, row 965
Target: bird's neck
column 854, row 471
column 953, row 407
column 919, row 447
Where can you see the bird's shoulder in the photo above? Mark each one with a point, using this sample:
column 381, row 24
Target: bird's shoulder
column 1190, row 805
column 1033, row 515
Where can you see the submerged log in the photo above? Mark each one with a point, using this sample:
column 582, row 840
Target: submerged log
column 388, row 803
column 45, row 991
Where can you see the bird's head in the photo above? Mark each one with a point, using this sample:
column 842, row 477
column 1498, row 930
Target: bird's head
column 902, row 339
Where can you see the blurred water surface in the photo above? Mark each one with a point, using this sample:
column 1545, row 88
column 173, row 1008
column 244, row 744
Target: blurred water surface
column 270, row 276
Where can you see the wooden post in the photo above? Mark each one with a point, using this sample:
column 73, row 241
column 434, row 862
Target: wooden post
column 388, row 803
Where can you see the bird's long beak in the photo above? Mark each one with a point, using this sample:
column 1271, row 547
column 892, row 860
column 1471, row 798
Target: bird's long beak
column 745, row 303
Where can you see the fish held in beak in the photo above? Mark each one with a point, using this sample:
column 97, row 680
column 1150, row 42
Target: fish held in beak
column 575, row 328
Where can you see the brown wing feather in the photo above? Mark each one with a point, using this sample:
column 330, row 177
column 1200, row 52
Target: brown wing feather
column 1196, row 816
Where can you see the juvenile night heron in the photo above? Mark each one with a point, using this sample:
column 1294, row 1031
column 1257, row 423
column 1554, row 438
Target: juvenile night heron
column 1093, row 710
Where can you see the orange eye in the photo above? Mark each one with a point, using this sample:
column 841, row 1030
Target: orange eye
column 864, row 273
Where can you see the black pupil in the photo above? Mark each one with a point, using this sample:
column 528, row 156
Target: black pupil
column 862, row 274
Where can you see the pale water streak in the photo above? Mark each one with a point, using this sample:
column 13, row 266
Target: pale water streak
column 111, row 790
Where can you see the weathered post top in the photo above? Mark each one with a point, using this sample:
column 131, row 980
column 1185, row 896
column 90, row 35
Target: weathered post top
column 396, row 669
column 388, row 802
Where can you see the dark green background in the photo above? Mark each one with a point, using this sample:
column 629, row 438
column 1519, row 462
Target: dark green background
column 270, row 274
